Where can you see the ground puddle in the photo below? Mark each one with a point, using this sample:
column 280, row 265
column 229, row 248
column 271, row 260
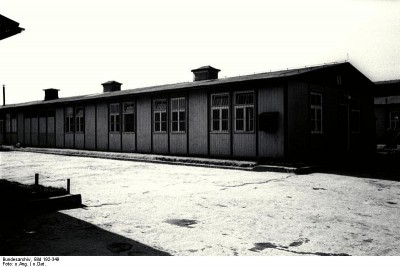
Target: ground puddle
column 261, row 246
column 182, row 222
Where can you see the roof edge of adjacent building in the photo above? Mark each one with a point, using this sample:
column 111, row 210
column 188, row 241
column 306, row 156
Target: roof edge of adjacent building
column 387, row 81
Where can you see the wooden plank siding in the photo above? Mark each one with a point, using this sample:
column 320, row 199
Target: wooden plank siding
column 69, row 140
column 20, row 128
column 220, row 144
column 198, row 122
column 271, row 99
column 128, row 142
column 330, row 108
column 102, row 126
column 115, row 141
column 382, row 123
column 367, row 140
column 79, row 142
column 144, row 124
column 2, row 130
column 7, row 136
column 50, row 132
column 60, row 132
column 160, row 142
column 13, row 138
column 178, row 143
column 298, row 118
column 35, row 131
column 244, row 144
column 90, row 127
column 42, row 128
column 27, row 131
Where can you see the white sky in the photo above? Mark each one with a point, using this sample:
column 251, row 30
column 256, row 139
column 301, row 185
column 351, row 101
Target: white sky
column 76, row 45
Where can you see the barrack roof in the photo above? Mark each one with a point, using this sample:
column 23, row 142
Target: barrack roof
column 181, row 86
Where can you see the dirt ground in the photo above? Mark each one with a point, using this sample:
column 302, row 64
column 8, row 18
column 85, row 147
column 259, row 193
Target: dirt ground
column 134, row 207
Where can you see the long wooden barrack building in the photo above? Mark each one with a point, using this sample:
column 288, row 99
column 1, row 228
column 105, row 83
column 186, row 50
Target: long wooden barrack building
column 324, row 110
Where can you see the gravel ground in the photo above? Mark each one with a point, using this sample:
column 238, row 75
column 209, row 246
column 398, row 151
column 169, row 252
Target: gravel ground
column 184, row 210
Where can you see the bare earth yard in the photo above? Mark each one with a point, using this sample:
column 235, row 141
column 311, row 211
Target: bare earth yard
column 185, row 210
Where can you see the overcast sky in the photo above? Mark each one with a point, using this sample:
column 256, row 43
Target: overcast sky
column 76, row 45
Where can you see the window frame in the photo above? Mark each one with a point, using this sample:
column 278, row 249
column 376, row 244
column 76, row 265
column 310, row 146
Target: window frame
column 124, row 115
column 314, row 121
column 79, row 119
column 160, row 112
column 179, row 120
column 244, row 107
column 397, row 122
column 220, row 109
column 69, row 120
column 115, row 119
column 339, row 79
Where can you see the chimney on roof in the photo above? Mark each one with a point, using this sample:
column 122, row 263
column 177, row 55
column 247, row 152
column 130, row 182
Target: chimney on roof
column 111, row 86
column 50, row 94
column 205, row 73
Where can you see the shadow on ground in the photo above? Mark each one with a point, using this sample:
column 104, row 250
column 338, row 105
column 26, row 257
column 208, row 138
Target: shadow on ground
column 381, row 164
column 54, row 233
column 378, row 166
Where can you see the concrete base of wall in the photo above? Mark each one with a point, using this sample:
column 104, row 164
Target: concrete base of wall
column 167, row 159
column 179, row 160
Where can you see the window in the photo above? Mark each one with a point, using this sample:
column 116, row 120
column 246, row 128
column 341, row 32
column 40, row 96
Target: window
column 128, row 118
column 339, row 80
column 244, row 112
column 355, row 115
column 220, row 113
column 178, row 115
column 160, row 115
column 1, row 126
column 114, row 118
column 69, row 120
column 79, row 120
column 316, row 112
column 394, row 120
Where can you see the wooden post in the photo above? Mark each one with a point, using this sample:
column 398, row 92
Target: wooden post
column 36, row 178
column 68, row 186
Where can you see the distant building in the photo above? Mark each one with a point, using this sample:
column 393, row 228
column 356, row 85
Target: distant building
column 310, row 112
column 387, row 112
